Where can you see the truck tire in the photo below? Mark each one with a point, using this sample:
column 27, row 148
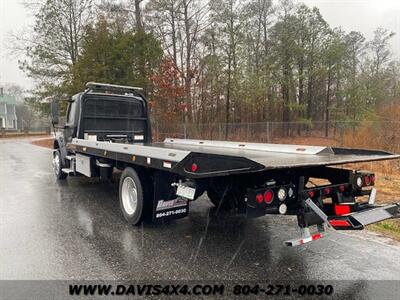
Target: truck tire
column 58, row 165
column 131, row 196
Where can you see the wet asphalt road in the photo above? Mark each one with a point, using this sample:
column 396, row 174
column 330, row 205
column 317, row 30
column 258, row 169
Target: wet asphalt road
column 74, row 230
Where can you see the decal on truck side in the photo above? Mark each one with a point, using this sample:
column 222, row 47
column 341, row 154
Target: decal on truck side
column 162, row 205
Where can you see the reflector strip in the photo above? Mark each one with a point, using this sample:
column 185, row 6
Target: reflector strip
column 342, row 209
column 339, row 223
column 316, row 236
column 167, row 164
column 299, row 242
column 139, row 137
column 311, row 238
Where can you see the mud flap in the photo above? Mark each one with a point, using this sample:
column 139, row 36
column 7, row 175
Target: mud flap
column 166, row 204
column 366, row 216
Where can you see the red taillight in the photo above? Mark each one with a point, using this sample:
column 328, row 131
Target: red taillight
column 339, row 223
column 367, row 180
column 268, row 196
column 311, row 194
column 342, row 209
column 342, row 188
column 327, row 191
column 259, row 198
column 194, row 167
column 372, row 177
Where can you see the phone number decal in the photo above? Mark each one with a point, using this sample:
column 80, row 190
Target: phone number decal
column 281, row 289
column 171, row 212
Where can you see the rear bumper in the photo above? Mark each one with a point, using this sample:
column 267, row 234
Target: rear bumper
column 367, row 215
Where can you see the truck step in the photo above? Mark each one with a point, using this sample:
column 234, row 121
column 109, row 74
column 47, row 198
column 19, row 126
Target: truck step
column 70, row 157
column 68, row 171
column 102, row 165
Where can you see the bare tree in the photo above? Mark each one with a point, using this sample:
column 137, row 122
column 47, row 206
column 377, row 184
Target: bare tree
column 54, row 44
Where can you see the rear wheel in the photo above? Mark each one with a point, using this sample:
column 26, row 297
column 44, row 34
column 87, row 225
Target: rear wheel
column 131, row 196
column 58, row 165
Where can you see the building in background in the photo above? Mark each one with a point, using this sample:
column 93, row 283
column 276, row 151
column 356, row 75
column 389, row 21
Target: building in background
column 8, row 115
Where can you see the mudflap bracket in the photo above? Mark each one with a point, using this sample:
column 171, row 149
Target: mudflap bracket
column 306, row 235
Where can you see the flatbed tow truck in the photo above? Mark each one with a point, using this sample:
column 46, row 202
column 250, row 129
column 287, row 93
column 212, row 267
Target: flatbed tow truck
column 108, row 127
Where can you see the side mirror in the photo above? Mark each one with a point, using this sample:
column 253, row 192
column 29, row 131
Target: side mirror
column 54, row 107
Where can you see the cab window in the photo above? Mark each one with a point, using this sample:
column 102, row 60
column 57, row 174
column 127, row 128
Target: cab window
column 71, row 113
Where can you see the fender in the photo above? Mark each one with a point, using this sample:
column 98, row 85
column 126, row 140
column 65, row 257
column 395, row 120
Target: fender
column 59, row 143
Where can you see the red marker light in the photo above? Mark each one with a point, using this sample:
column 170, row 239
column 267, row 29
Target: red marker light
column 367, row 180
column 311, row 194
column 259, row 198
column 372, row 179
column 339, row 223
column 194, row 167
column 327, row 191
column 342, row 209
column 268, row 196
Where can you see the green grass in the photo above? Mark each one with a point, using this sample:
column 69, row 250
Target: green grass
column 389, row 228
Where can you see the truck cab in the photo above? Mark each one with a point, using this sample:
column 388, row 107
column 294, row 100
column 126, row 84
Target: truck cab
column 103, row 112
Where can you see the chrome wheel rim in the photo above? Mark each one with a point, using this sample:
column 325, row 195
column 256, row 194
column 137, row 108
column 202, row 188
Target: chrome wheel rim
column 56, row 163
column 129, row 195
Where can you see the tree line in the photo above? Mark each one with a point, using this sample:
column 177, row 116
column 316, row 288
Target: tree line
column 214, row 61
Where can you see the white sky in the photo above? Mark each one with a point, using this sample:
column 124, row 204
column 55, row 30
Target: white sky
column 359, row 15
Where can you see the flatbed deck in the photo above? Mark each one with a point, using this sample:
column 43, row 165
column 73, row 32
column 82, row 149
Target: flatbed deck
column 275, row 156
column 270, row 156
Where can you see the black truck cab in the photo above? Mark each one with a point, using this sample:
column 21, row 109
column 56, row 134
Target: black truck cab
column 103, row 112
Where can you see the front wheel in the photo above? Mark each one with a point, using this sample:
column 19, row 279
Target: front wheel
column 131, row 196
column 57, row 165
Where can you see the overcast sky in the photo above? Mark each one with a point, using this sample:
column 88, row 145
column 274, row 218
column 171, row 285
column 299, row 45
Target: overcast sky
column 359, row 15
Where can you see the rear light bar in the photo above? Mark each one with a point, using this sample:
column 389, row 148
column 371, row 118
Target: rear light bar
column 326, row 190
column 275, row 194
column 363, row 179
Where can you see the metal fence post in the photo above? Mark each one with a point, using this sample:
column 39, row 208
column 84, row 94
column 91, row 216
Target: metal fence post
column 157, row 133
column 268, row 137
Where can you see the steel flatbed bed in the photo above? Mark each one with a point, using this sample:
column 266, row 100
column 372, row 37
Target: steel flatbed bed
column 252, row 156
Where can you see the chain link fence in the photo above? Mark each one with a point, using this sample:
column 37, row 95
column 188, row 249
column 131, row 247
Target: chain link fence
column 366, row 134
